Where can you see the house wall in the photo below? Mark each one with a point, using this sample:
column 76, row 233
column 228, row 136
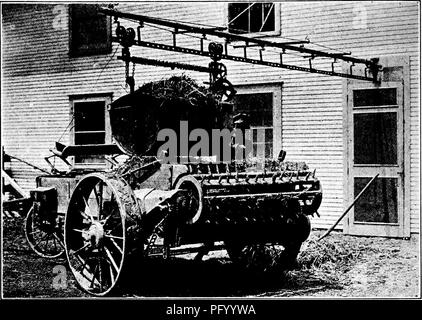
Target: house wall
column 39, row 76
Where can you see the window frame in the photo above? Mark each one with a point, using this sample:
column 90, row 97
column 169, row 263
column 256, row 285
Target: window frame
column 107, row 99
column 90, row 52
column 276, row 89
column 277, row 22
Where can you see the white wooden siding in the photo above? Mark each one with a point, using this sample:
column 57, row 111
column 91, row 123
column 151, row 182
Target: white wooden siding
column 39, row 76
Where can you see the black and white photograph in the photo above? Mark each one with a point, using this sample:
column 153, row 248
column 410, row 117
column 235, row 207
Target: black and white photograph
column 210, row 150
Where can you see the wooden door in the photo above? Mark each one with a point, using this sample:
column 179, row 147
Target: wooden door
column 375, row 144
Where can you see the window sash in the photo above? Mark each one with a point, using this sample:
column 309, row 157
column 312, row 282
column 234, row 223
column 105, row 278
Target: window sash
column 245, row 17
column 91, row 161
column 76, row 21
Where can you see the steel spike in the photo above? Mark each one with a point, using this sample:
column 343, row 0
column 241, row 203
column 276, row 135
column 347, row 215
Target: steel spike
column 247, row 178
column 308, row 175
column 282, row 174
column 291, row 176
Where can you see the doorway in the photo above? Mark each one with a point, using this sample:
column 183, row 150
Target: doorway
column 375, row 144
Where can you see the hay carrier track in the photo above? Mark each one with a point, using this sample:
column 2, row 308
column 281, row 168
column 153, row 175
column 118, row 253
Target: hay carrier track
column 103, row 220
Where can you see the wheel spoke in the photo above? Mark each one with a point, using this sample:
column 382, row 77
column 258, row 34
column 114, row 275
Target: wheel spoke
column 113, row 237
column 41, row 239
column 80, row 231
column 93, row 276
column 35, row 232
column 89, row 209
column 116, row 245
column 104, row 222
column 85, row 215
column 54, row 242
column 111, row 272
column 46, row 243
column 97, row 198
column 83, row 266
column 81, row 248
column 59, row 240
column 107, row 219
column 101, row 196
column 110, row 258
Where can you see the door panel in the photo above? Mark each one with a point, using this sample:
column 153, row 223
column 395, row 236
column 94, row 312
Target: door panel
column 375, row 146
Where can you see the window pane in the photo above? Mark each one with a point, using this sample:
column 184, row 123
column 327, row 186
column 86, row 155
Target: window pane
column 269, row 150
column 378, row 203
column 375, row 138
column 374, row 97
column 89, row 116
column 268, row 135
column 259, row 107
column 255, row 17
column 89, row 138
column 244, row 18
column 238, row 24
column 270, row 12
column 90, row 30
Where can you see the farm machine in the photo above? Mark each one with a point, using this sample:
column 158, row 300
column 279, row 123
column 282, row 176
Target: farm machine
column 104, row 219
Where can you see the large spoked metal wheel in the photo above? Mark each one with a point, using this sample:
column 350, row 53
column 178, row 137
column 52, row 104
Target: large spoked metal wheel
column 44, row 235
column 100, row 211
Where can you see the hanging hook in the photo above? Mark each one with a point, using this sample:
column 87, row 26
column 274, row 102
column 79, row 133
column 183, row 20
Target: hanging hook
column 332, row 65
column 141, row 25
column 310, row 61
column 351, row 68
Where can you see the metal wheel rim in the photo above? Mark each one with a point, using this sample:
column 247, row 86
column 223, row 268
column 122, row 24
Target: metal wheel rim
column 89, row 274
column 35, row 242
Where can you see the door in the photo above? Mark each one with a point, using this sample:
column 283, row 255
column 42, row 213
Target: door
column 375, row 145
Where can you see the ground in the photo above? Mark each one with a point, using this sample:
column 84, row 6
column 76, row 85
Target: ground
column 338, row 266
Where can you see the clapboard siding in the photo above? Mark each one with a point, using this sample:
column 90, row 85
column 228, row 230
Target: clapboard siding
column 391, row 29
column 39, row 76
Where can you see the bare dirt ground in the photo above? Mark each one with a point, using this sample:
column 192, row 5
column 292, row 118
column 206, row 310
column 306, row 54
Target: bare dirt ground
column 338, row 266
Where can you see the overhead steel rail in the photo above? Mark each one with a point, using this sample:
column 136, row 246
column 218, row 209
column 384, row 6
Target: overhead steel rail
column 371, row 66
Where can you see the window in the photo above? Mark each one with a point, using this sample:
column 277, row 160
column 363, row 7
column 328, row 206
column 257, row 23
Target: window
column 255, row 17
column 259, row 108
column 374, row 97
column 262, row 103
column 90, row 31
column 90, row 126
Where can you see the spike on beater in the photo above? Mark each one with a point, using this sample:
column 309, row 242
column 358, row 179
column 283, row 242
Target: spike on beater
column 282, row 174
column 291, row 176
column 308, row 175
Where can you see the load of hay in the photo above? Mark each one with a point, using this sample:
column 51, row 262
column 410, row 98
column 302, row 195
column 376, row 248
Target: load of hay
column 137, row 118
